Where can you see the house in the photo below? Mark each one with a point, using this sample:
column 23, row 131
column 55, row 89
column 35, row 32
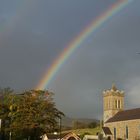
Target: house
column 106, row 132
column 63, row 136
column 119, row 123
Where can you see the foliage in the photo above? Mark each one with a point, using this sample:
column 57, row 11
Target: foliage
column 78, row 124
column 92, row 125
column 5, row 95
column 28, row 114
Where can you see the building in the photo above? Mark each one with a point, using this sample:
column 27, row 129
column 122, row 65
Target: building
column 106, row 132
column 113, row 100
column 119, row 123
column 63, row 136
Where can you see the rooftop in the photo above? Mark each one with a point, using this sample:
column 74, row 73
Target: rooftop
column 131, row 114
column 106, row 130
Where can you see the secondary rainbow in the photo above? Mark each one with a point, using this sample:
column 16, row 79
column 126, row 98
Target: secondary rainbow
column 76, row 42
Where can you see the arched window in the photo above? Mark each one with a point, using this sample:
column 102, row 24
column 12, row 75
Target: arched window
column 119, row 104
column 114, row 133
column 116, row 104
column 126, row 132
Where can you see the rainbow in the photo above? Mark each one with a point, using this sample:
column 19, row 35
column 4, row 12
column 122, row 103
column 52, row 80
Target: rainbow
column 77, row 41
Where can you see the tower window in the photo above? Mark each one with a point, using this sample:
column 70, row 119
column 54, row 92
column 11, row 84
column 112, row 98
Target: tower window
column 119, row 104
column 116, row 104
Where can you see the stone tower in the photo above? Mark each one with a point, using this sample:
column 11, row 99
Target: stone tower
column 113, row 102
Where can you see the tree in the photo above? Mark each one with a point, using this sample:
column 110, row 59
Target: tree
column 29, row 113
column 5, row 95
column 92, row 125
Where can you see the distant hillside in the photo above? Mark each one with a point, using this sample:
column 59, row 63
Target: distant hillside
column 82, row 132
column 68, row 122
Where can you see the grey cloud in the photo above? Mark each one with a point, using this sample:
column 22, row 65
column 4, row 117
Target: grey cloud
column 43, row 29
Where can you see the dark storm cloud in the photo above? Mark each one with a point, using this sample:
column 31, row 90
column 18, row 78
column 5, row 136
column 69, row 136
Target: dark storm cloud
column 110, row 57
column 37, row 31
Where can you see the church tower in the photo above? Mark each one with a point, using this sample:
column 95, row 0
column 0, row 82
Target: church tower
column 113, row 102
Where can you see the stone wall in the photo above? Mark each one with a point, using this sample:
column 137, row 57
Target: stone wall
column 133, row 129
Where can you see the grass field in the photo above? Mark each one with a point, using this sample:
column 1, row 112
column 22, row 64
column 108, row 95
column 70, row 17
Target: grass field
column 91, row 131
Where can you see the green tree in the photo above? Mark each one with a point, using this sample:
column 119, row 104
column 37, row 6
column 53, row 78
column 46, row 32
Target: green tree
column 92, row 125
column 29, row 114
column 5, row 98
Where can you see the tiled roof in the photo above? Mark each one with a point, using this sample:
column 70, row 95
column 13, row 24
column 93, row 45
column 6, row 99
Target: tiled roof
column 125, row 115
column 106, row 131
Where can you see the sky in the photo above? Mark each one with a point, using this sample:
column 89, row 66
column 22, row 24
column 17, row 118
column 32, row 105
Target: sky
column 33, row 33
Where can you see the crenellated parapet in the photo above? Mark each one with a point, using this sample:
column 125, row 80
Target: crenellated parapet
column 113, row 93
